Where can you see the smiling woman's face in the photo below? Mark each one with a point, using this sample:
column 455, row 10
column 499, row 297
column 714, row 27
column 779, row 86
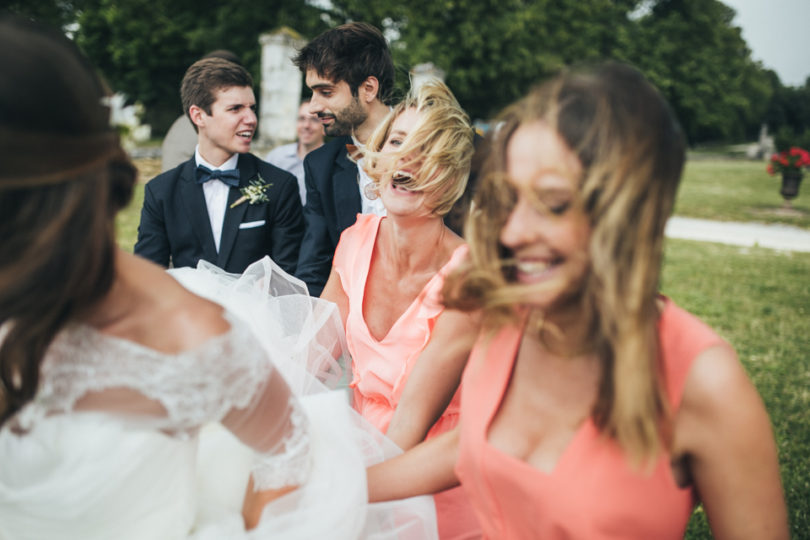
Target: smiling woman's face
column 396, row 198
column 546, row 232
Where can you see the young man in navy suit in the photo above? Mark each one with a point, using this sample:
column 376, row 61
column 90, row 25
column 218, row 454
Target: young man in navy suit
column 351, row 74
column 224, row 205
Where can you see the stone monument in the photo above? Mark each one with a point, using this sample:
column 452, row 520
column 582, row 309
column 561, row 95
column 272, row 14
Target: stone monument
column 281, row 86
column 764, row 147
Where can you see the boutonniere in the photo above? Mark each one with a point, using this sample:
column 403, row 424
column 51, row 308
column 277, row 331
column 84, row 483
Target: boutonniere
column 254, row 193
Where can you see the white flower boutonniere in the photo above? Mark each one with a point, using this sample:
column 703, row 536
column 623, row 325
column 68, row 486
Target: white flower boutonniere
column 254, row 193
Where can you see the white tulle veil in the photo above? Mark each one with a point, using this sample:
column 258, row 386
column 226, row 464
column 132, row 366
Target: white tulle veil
column 305, row 339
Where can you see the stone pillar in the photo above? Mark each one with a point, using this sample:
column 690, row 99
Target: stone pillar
column 281, row 86
column 423, row 72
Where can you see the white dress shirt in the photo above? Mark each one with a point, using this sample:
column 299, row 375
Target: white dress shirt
column 216, row 194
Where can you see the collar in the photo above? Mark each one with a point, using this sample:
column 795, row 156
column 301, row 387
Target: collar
column 229, row 163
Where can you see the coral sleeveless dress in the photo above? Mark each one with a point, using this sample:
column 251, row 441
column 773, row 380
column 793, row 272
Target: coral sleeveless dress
column 380, row 369
column 592, row 492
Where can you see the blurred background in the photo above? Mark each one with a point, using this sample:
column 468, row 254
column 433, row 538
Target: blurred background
column 737, row 73
column 728, row 68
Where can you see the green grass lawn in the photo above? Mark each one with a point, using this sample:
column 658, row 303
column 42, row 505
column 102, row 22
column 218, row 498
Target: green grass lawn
column 126, row 224
column 730, row 190
column 757, row 299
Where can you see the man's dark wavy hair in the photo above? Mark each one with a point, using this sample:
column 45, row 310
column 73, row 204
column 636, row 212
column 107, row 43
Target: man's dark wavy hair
column 351, row 52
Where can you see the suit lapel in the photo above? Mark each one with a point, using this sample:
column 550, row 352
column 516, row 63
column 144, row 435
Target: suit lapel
column 347, row 191
column 194, row 204
column 233, row 216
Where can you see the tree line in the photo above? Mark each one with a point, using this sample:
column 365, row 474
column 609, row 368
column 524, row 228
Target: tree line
column 492, row 51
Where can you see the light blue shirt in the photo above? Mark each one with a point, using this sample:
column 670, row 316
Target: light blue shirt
column 286, row 157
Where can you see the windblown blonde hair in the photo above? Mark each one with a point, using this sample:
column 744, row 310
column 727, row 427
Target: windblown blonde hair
column 440, row 143
column 632, row 152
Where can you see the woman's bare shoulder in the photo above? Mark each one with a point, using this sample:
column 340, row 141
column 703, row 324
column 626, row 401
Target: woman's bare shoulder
column 191, row 320
column 715, row 373
column 162, row 314
column 718, row 397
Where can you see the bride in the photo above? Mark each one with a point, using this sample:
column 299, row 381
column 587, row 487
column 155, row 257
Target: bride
column 129, row 406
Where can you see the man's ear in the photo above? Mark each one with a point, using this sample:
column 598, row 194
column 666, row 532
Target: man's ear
column 369, row 89
column 197, row 116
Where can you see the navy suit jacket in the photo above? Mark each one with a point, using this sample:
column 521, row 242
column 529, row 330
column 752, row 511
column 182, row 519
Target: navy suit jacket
column 175, row 225
column 333, row 202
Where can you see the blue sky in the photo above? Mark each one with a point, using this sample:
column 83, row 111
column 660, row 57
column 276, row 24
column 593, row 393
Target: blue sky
column 778, row 34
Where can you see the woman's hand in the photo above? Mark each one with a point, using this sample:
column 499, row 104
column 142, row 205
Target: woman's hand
column 255, row 502
column 423, row 470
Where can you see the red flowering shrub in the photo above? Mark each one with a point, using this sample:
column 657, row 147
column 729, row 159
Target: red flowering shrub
column 789, row 160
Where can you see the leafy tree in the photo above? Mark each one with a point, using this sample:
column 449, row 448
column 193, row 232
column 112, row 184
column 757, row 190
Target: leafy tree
column 59, row 13
column 699, row 60
column 493, row 51
column 788, row 114
column 143, row 47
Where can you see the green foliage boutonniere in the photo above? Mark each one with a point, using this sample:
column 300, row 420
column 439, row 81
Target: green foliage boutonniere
column 254, row 193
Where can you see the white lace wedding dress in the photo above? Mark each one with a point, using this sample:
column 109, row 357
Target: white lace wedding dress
column 125, row 442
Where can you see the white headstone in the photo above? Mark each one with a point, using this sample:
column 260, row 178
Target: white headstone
column 281, row 86
column 766, row 142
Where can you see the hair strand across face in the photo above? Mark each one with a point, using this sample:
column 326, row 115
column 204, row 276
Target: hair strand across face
column 632, row 151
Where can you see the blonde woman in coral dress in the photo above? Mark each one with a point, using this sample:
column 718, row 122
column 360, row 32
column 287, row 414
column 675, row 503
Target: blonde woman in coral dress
column 593, row 407
column 388, row 274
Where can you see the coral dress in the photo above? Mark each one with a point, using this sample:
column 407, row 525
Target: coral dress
column 380, row 368
column 592, row 492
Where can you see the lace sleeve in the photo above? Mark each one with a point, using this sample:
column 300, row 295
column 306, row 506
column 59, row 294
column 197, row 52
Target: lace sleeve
column 275, row 425
column 291, row 462
column 85, row 369
column 229, row 378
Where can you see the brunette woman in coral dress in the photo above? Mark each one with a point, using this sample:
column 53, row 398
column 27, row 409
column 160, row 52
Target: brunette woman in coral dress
column 593, row 407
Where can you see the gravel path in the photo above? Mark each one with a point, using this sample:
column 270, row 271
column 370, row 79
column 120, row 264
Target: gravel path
column 782, row 237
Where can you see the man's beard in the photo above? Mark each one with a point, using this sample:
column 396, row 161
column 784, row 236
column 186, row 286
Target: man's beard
column 346, row 119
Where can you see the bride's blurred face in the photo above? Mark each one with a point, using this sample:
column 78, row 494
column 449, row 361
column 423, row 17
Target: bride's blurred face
column 546, row 231
column 399, row 200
